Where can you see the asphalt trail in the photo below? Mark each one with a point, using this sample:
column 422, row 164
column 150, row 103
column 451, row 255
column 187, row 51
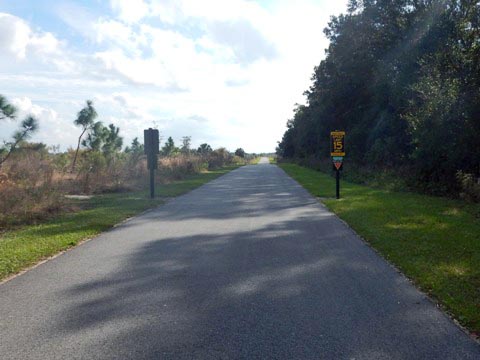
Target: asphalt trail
column 249, row 266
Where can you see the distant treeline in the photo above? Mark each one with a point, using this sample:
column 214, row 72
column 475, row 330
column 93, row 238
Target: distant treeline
column 402, row 78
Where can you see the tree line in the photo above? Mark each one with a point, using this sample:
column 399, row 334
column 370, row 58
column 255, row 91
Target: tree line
column 35, row 178
column 94, row 136
column 402, row 78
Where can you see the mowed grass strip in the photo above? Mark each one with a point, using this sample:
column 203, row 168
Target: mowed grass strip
column 434, row 241
column 27, row 245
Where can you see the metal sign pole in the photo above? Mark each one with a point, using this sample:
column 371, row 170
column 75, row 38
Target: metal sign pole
column 152, row 183
column 337, row 151
column 152, row 148
column 338, row 184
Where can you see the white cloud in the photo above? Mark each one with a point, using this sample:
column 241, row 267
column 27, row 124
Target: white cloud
column 77, row 17
column 130, row 11
column 112, row 32
column 175, row 11
column 17, row 39
column 52, row 128
column 246, row 42
column 14, row 35
column 137, row 71
column 27, row 53
column 225, row 72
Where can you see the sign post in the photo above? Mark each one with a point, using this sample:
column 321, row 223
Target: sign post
column 337, row 151
column 151, row 148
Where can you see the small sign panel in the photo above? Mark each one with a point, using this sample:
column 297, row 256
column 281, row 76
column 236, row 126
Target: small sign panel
column 337, row 143
column 151, row 141
column 337, row 162
column 152, row 147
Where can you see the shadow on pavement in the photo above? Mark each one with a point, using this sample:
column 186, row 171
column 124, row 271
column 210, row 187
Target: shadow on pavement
column 287, row 280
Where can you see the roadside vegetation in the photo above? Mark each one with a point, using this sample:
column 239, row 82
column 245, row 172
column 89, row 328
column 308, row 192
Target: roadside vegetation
column 34, row 177
column 433, row 240
column 402, row 78
column 26, row 245
column 40, row 209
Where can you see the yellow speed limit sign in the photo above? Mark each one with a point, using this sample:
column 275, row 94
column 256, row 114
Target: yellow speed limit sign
column 337, row 143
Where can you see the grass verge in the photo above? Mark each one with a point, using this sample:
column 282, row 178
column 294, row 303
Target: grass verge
column 27, row 245
column 434, row 241
column 254, row 161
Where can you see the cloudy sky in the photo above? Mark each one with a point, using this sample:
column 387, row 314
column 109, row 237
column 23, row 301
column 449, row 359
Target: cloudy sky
column 225, row 72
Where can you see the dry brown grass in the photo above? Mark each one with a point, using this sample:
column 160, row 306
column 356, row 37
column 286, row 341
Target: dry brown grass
column 33, row 184
column 27, row 190
column 178, row 167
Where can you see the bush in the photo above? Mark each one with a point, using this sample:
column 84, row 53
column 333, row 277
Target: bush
column 33, row 182
column 470, row 186
column 383, row 178
column 180, row 166
column 219, row 158
column 27, row 191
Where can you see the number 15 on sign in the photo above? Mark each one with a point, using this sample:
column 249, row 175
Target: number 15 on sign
column 337, row 143
column 337, row 151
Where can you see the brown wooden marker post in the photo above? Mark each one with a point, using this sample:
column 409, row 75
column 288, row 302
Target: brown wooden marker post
column 151, row 149
column 337, row 151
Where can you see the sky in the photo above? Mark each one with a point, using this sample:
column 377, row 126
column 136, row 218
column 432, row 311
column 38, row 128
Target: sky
column 225, row 72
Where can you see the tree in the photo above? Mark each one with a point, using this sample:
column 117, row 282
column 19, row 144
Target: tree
column 135, row 148
column 402, row 77
column 113, row 141
column 240, row 152
column 103, row 138
column 186, row 141
column 204, row 149
column 95, row 137
column 85, row 119
column 169, row 147
column 28, row 127
column 7, row 110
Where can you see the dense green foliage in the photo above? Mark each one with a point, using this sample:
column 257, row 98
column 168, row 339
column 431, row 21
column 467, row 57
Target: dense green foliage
column 7, row 110
column 402, row 77
column 169, row 147
column 433, row 240
column 204, row 149
column 240, row 152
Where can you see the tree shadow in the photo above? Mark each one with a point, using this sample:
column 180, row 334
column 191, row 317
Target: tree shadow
column 292, row 288
column 284, row 279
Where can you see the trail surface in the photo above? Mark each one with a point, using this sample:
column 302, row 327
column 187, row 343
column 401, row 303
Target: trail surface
column 248, row 266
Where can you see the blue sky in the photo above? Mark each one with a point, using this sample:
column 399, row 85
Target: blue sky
column 225, row 72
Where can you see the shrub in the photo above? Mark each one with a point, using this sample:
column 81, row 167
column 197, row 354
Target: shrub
column 27, row 190
column 180, row 166
column 219, row 158
column 34, row 182
column 469, row 185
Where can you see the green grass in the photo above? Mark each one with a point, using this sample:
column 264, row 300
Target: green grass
column 27, row 245
column 272, row 160
column 254, row 161
column 434, row 241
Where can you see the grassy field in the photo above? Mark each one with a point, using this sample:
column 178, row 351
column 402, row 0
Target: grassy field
column 434, row 241
column 27, row 245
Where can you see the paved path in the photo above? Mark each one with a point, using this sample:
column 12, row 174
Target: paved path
column 249, row 266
